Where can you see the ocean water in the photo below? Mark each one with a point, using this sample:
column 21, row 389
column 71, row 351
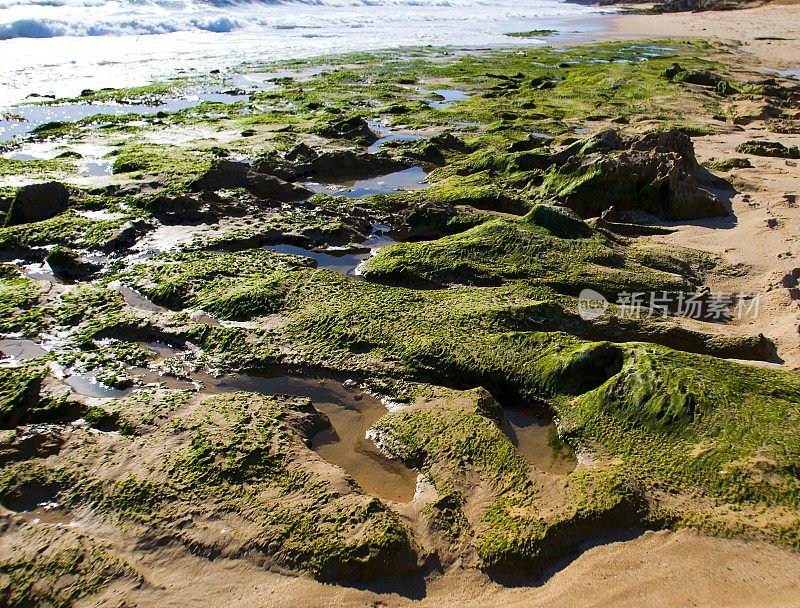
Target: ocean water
column 60, row 47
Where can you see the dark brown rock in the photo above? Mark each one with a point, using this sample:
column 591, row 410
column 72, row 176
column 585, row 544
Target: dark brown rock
column 354, row 129
column 227, row 174
column 37, row 202
column 657, row 173
column 68, row 264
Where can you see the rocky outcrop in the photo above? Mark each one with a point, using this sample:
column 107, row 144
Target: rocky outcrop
column 67, row 264
column 207, row 207
column 354, row 129
column 680, row 6
column 37, row 202
column 227, row 174
column 431, row 151
column 768, row 148
column 657, row 173
column 125, row 236
column 301, row 163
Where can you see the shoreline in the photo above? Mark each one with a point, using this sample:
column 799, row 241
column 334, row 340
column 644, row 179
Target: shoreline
column 215, row 192
column 774, row 20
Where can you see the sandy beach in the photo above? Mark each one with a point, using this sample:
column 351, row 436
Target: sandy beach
column 764, row 235
column 769, row 33
column 631, row 568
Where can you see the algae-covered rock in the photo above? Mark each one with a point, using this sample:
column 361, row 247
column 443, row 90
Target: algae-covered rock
column 37, row 202
column 729, row 164
column 125, row 236
column 548, row 247
column 354, row 129
column 673, row 71
column 238, row 459
column 347, row 163
column 333, row 164
column 231, row 174
column 23, row 398
column 67, row 264
column 656, row 173
column 183, row 208
column 529, row 143
column 559, row 221
column 59, row 567
column 768, row 148
column 704, row 78
column 491, row 506
column 433, row 150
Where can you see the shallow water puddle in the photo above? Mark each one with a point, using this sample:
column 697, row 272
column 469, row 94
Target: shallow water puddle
column 89, row 386
column 375, row 148
column 168, row 238
column 102, row 215
column 97, row 168
column 14, row 351
column 399, row 181
column 451, row 97
column 89, row 162
column 351, row 413
column 37, row 506
column 21, row 120
column 793, row 73
column 134, row 299
column 346, row 263
column 40, row 272
column 350, row 410
column 533, row 438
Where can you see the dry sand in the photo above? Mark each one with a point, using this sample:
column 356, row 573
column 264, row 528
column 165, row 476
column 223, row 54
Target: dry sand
column 775, row 20
column 764, row 231
column 653, row 569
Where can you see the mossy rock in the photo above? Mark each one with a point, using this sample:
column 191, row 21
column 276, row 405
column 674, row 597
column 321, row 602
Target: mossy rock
column 37, row 202
column 729, row 164
column 559, row 221
column 22, row 400
column 768, row 148
column 67, row 264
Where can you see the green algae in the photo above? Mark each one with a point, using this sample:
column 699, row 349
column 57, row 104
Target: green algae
column 179, row 165
column 230, row 286
column 233, row 456
column 460, row 438
column 532, row 33
column 512, row 250
column 58, row 568
column 68, row 229
column 658, row 421
column 663, row 404
column 18, row 302
column 20, row 396
column 768, row 148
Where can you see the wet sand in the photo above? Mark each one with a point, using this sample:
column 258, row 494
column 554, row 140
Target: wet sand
column 531, row 435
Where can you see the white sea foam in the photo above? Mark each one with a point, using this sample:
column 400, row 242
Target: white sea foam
column 61, row 46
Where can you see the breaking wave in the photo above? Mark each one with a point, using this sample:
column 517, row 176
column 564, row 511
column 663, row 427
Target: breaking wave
column 80, row 18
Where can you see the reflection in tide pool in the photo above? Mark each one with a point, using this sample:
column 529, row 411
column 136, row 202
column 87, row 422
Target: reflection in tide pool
column 14, row 351
column 350, row 410
column 536, row 440
column 399, row 181
column 346, row 263
column 450, row 97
